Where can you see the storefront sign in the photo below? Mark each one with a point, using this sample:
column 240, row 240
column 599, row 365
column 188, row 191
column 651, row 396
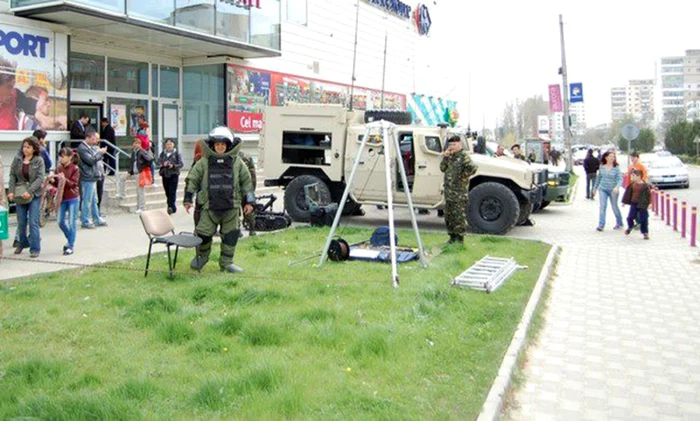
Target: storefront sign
column 250, row 90
column 395, row 7
column 34, row 75
column 422, row 17
column 118, row 119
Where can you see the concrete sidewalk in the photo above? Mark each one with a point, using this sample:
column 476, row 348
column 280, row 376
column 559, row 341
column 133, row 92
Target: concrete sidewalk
column 123, row 238
column 622, row 333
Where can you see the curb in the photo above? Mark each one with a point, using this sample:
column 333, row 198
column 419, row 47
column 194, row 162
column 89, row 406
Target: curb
column 493, row 405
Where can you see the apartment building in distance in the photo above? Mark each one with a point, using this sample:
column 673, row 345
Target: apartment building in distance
column 691, row 84
column 636, row 100
column 670, row 102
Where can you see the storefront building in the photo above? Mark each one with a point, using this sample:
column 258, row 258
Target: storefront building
column 189, row 65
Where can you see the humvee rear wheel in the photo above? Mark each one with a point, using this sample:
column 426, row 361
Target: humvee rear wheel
column 492, row 208
column 295, row 197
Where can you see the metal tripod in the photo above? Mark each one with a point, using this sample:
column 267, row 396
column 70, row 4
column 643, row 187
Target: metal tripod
column 388, row 131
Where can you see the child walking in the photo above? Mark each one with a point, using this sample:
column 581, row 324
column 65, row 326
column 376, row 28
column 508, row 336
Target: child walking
column 68, row 212
column 638, row 196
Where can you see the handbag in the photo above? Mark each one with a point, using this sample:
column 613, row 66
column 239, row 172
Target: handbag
column 20, row 190
column 145, row 178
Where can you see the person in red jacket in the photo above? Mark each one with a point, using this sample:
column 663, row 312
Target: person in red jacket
column 68, row 212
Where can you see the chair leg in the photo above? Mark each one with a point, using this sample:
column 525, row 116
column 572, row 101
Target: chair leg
column 177, row 248
column 148, row 259
column 170, row 264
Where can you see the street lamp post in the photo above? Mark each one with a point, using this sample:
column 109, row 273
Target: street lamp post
column 564, row 76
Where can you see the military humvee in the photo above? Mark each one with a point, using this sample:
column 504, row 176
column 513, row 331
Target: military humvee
column 307, row 144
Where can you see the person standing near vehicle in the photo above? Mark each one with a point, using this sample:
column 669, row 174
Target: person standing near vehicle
column 170, row 163
column 517, row 154
column 457, row 167
column 89, row 175
column 68, row 212
column 590, row 165
column 222, row 184
column 26, row 177
column 608, row 183
column 638, row 196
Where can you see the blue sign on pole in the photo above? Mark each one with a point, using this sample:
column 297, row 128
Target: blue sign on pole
column 576, row 92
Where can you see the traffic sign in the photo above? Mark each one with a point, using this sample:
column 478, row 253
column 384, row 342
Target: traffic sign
column 630, row 131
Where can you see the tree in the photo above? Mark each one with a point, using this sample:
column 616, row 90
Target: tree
column 526, row 116
column 645, row 141
column 680, row 136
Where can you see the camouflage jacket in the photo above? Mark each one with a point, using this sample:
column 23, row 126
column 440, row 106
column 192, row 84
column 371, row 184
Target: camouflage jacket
column 457, row 168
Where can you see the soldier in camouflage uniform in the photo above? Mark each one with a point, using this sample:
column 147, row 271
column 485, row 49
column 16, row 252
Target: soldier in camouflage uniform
column 249, row 219
column 457, row 167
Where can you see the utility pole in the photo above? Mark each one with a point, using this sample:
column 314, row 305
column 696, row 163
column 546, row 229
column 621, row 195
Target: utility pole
column 567, row 121
column 386, row 40
column 354, row 56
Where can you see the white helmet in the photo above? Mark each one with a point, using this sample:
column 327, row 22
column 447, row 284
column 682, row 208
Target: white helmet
column 223, row 134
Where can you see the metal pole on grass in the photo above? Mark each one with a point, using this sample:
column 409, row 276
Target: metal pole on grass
column 390, row 202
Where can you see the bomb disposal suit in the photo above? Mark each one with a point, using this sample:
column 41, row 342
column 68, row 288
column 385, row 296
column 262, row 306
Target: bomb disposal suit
column 222, row 183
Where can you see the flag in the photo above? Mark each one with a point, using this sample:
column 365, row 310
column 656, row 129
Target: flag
column 555, row 103
column 576, row 92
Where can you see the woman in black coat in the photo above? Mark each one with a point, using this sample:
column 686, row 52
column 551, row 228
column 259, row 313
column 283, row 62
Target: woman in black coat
column 170, row 163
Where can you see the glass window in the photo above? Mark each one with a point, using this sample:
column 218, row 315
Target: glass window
column 111, row 5
column 433, row 144
column 296, row 11
column 203, row 96
column 154, row 80
column 169, row 82
column 161, row 11
column 232, row 21
column 87, row 71
column 127, row 76
column 265, row 25
column 196, row 15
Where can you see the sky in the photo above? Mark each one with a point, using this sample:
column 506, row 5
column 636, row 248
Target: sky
column 509, row 49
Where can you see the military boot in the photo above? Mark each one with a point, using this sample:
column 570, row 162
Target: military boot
column 459, row 239
column 198, row 262
column 231, row 269
column 453, row 238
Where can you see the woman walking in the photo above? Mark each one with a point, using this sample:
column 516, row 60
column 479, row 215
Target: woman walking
column 608, row 184
column 170, row 163
column 68, row 212
column 590, row 165
column 26, row 177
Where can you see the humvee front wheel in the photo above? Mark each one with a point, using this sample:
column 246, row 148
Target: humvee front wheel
column 492, row 208
column 295, row 197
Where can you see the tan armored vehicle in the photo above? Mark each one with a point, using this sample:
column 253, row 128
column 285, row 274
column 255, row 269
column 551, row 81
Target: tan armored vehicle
column 307, row 144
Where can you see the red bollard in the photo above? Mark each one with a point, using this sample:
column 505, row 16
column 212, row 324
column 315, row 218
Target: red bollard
column 661, row 199
column 653, row 200
column 668, row 209
column 684, row 208
column 675, row 214
column 693, row 225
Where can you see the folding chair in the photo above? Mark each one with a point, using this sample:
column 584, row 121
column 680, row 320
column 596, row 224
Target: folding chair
column 157, row 224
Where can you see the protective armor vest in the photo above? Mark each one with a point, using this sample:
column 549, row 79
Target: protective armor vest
column 221, row 183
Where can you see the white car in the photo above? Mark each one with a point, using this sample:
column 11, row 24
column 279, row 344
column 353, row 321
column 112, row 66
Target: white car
column 668, row 171
column 647, row 158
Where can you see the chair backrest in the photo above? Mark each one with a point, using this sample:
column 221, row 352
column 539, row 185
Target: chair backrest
column 157, row 222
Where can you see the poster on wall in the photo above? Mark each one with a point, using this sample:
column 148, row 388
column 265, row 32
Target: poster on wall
column 118, row 119
column 136, row 111
column 251, row 90
column 33, row 78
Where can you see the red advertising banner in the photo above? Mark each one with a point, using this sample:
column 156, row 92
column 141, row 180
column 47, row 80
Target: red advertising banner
column 250, row 90
column 555, row 102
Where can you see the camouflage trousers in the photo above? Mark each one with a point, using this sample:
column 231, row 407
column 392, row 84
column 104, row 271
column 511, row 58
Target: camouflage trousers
column 456, row 214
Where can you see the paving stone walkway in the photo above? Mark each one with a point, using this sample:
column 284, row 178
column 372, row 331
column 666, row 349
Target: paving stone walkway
column 621, row 339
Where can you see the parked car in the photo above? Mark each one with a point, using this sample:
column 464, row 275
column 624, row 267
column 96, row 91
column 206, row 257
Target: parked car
column 668, row 171
column 579, row 156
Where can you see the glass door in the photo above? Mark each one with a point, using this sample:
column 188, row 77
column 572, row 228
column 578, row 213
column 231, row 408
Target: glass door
column 91, row 110
column 170, row 121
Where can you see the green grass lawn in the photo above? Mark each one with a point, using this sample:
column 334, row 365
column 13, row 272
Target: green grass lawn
column 276, row 342
column 572, row 184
